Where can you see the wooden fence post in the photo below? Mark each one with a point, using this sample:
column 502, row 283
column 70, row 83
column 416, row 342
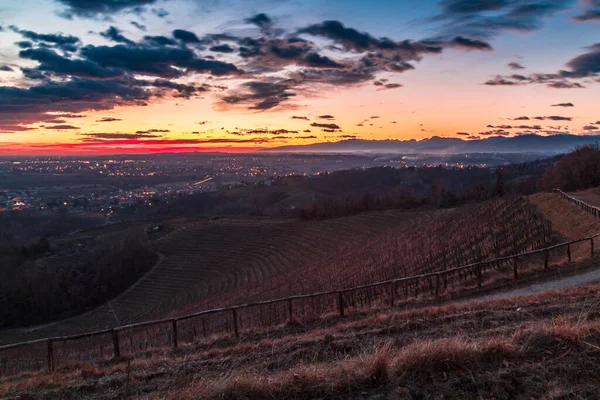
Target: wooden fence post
column 546, row 257
column 235, row 323
column 290, row 312
column 341, row 303
column 515, row 268
column 479, row 275
column 50, row 356
column 174, row 328
column 569, row 252
column 392, row 293
column 116, row 348
column 437, row 285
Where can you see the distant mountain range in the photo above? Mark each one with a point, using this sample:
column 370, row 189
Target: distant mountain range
column 438, row 145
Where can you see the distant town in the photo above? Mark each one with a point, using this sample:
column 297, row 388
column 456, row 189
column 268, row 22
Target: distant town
column 76, row 185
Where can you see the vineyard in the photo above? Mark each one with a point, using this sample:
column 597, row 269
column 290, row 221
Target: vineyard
column 218, row 263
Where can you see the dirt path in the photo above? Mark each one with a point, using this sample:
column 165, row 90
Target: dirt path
column 535, row 288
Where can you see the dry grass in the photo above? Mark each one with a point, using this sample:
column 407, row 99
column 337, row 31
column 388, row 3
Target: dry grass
column 569, row 221
column 512, row 348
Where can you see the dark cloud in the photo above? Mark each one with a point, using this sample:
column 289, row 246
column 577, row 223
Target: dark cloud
column 160, row 12
column 565, row 85
column 115, row 35
column 591, row 11
column 326, row 126
column 488, row 18
column 160, row 40
column 118, row 135
column 152, row 61
column 277, row 53
column 584, row 66
column 264, row 131
column 54, row 63
column 152, row 131
column 334, row 77
column 306, row 137
column 108, row 119
column 299, row 117
column 261, row 95
column 61, row 127
column 185, row 36
column 563, row 105
column 521, row 119
column 532, row 127
column 27, row 105
column 500, row 81
column 69, row 115
column 353, row 40
column 141, row 27
column 263, row 21
column 24, row 44
column 470, row 44
column 222, row 48
column 326, row 116
column 91, row 8
column 319, row 61
column 182, row 90
column 557, row 118
column 56, row 121
column 515, row 65
column 388, row 86
column 6, row 68
column 155, row 61
column 56, row 39
column 463, row 133
column 548, row 118
column 350, row 38
column 589, row 128
column 496, row 132
column 500, row 126
column 152, row 140
column 589, row 15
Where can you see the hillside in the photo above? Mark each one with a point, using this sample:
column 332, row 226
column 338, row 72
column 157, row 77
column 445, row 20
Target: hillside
column 542, row 346
column 221, row 262
column 507, row 347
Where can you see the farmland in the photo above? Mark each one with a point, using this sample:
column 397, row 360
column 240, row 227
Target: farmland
column 207, row 263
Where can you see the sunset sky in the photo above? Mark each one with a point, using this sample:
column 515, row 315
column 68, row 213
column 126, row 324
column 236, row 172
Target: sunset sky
column 136, row 76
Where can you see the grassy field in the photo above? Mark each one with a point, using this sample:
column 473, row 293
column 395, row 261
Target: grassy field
column 543, row 346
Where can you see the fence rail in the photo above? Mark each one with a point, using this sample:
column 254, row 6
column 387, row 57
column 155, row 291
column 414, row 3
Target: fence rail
column 595, row 211
column 176, row 330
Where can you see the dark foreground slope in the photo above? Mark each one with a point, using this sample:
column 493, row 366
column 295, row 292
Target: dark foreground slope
column 544, row 346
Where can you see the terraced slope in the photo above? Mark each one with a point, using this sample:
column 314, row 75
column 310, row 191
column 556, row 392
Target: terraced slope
column 210, row 263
